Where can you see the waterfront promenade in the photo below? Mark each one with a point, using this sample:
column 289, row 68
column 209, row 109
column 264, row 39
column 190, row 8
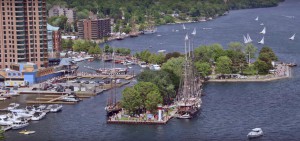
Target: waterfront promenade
column 282, row 71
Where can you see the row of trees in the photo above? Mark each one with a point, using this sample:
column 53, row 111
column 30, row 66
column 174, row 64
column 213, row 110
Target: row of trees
column 81, row 45
column 233, row 60
column 120, row 51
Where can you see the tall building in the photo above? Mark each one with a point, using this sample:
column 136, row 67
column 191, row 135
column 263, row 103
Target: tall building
column 93, row 29
column 54, row 40
column 59, row 11
column 23, row 32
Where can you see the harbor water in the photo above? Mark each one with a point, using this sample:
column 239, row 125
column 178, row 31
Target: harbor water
column 229, row 110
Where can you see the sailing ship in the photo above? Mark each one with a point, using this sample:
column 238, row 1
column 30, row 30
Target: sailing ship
column 112, row 106
column 188, row 99
column 262, row 41
column 263, row 31
column 293, row 37
column 247, row 39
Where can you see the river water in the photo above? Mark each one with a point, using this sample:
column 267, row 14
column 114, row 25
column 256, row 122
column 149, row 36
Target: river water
column 229, row 110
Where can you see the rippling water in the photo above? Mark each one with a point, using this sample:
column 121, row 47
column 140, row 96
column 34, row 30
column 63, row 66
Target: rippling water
column 229, row 110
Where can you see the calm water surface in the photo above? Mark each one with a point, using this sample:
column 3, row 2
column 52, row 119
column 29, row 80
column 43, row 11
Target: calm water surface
column 229, row 110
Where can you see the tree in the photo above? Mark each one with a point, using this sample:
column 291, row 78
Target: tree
column 131, row 100
column 172, row 54
column 235, row 46
column 203, row 68
column 152, row 100
column 174, row 65
column 223, row 65
column 238, row 60
column 266, row 54
column 250, row 48
column 262, row 67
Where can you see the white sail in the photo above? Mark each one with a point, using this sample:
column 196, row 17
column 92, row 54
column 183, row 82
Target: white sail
column 262, row 41
column 263, row 31
column 194, row 32
column 249, row 39
column 256, row 18
column 183, row 27
column 245, row 40
column 293, row 37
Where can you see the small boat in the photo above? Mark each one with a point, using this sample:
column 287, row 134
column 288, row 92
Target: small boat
column 38, row 115
column 256, row 132
column 155, row 67
column 5, row 120
column 161, row 51
column 69, row 99
column 158, row 35
column 293, row 37
column 26, row 132
column 262, row 24
column 263, row 31
column 12, row 106
column 185, row 116
column 18, row 124
column 183, row 27
column 291, row 64
column 262, row 41
column 143, row 64
column 194, row 32
column 256, row 18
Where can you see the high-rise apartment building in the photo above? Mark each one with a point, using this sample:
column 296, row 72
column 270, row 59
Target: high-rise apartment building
column 93, row 29
column 23, row 32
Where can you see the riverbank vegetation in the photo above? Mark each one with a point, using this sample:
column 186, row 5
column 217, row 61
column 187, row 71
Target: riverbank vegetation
column 213, row 59
column 143, row 12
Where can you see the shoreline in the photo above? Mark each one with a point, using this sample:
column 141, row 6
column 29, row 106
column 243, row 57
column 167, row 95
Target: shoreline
column 246, row 80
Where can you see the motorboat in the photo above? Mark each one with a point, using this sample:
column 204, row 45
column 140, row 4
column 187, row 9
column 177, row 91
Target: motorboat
column 127, row 62
column 155, row 67
column 185, row 116
column 161, row 51
column 256, row 132
column 143, row 64
column 69, row 99
column 24, row 114
column 18, row 124
column 12, row 106
column 55, row 108
column 26, row 132
column 5, row 120
column 38, row 115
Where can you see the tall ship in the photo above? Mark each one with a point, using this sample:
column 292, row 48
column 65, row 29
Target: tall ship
column 188, row 100
column 112, row 106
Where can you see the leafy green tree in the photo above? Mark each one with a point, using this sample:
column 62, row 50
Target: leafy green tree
column 144, row 88
column 224, row 65
column 203, row 68
column 2, row 137
column 152, row 100
column 250, row 48
column 236, row 46
column 238, row 60
column 262, row 67
column 174, row 65
column 172, row 54
column 266, row 54
column 131, row 100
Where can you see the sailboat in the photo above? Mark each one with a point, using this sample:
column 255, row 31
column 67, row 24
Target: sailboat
column 262, row 41
column 263, row 31
column 183, row 27
column 249, row 39
column 293, row 37
column 188, row 99
column 112, row 106
column 194, row 32
column 256, row 18
column 245, row 40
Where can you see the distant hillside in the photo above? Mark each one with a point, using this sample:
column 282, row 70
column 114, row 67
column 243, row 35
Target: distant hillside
column 160, row 11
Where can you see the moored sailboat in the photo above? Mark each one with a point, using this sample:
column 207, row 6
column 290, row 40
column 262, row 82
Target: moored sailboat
column 293, row 37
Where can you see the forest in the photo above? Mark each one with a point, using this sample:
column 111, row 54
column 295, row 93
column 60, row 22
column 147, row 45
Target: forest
column 140, row 12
